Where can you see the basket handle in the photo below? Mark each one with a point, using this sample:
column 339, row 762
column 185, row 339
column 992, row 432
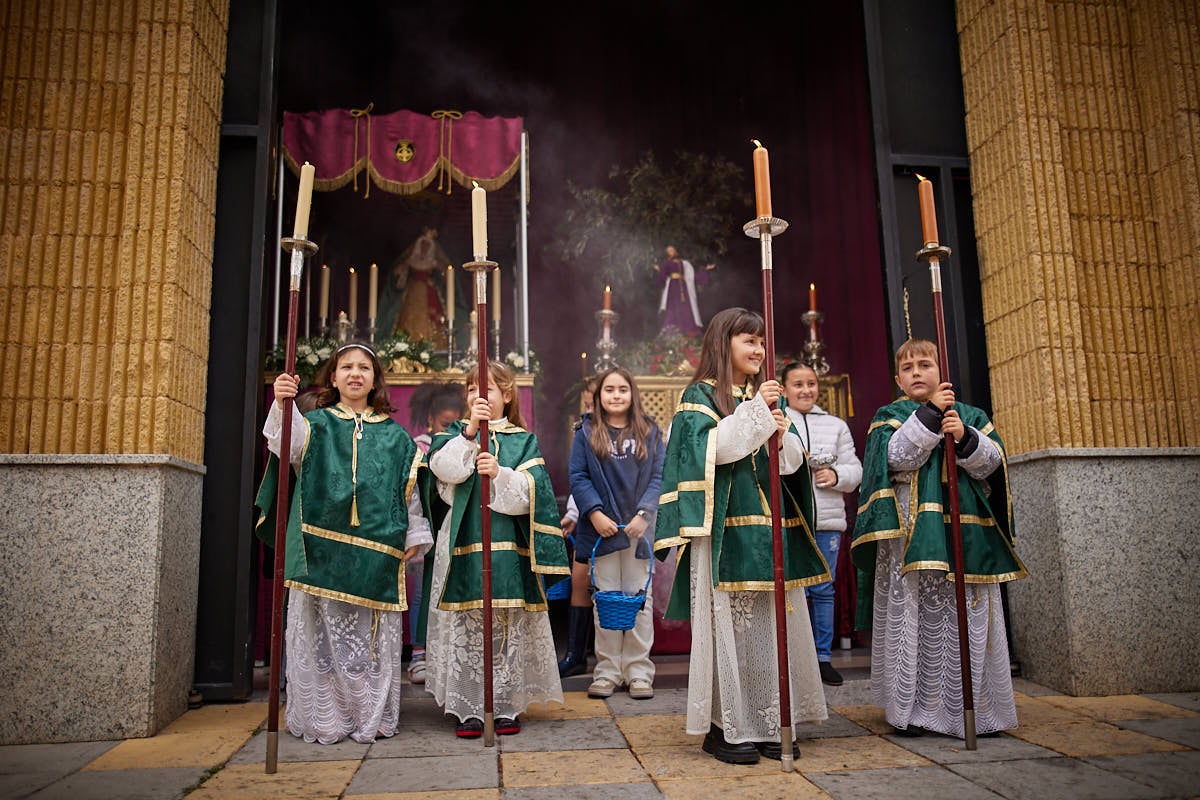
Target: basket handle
column 592, row 562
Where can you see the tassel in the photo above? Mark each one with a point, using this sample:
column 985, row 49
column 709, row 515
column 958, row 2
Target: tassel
column 354, row 523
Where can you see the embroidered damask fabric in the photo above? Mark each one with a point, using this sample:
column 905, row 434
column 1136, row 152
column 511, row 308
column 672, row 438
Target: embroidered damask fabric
column 733, row 679
column 915, row 673
column 343, row 670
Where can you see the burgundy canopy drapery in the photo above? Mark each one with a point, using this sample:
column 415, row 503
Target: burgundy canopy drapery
column 403, row 152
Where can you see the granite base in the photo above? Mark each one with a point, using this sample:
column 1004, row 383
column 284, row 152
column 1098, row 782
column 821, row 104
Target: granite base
column 1109, row 537
column 99, row 560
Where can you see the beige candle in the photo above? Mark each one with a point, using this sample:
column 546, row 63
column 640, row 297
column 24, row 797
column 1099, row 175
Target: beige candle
column 353, row 295
column 324, row 293
column 373, row 292
column 304, row 201
column 450, row 293
column 479, row 221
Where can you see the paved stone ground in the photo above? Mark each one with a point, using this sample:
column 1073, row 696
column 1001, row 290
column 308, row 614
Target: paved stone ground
column 1134, row 746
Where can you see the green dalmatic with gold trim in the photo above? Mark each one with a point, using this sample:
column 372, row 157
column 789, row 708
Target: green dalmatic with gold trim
column 523, row 547
column 985, row 510
column 728, row 502
column 348, row 520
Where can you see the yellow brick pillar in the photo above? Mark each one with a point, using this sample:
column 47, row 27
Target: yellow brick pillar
column 1083, row 135
column 109, row 124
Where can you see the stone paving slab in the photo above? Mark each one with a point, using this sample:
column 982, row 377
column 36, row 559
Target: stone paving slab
column 23, row 784
column 302, row 781
column 1028, row 687
column 1120, row 707
column 911, row 783
column 1038, row 779
column 1176, row 774
column 203, row 749
column 776, row 786
column 868, row 716
column 575, row 705
column 1082, row 739
column 860, row 752
column 601, row 766
column 596, row 733
column 130, row 784
column 945, row 750
column 220, row 717
column 1040, row 711
column 609, row 791
column 292, row 749
column 665, row 701
column 688, row 762
column 1181, row 731
column 835, row 726
column 459, row 794
column 439, row 741
column 427, row 773
column 1188, row 700
column 850, row 693
column 645, row 732
column 53, row 758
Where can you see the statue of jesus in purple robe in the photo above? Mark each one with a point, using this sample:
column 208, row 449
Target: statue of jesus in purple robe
column 677, row 279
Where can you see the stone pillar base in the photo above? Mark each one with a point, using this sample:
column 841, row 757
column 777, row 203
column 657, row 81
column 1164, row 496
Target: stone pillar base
column 1110, row 537
column 99, row 560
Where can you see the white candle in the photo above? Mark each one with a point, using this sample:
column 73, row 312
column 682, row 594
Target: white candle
column 450, row 293
column 496, row 294
column 324, row 293
column 479, row 221
column 353, row 295
column 373, row 292
column 304, row 201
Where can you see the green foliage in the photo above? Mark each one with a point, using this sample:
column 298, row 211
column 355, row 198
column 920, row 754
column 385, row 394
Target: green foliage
column 694, row 202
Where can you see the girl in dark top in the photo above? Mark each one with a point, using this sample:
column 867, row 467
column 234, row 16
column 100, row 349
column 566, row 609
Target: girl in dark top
column 616, row 469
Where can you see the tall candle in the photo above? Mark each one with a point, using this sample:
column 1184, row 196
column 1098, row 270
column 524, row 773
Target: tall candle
column 812, row 297
column 608, row 298
column 353, row 295
column 583, row 359
column 496, row 294
column 762, row 181
column 373, row 292
column 324, row 293
column 929, row 230
column 450, row 293
column 479, row 221
column 304, row 201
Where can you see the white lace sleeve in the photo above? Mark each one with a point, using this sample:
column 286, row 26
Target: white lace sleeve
column 984, row 460
column 419, row 532
column 510, row 493
column 744, row 431
column 455, row 462
column 791, row 456
column 911, row 445
column 273, row 431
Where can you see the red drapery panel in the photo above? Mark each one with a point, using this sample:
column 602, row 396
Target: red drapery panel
column 403, row 152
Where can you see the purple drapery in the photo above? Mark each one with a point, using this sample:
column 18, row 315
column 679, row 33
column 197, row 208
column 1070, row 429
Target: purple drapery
column 403, row 152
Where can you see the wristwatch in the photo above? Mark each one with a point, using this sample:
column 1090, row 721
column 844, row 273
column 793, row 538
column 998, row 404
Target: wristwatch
column 641, row 513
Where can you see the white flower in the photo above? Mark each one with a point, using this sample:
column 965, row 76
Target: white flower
column 401, row 347
column 424, row 356
column 517, row 361
column 303, row 350
column 311, row 358
column 324, row 352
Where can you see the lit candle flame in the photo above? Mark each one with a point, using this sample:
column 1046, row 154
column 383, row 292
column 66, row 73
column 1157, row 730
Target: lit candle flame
column 756, row 142
column 607, row 288
column 475, row 184
column 352, row 270
column 812, row 286
column 920, row 177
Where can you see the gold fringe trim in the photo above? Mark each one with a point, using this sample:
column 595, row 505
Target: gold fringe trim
column 346, row 598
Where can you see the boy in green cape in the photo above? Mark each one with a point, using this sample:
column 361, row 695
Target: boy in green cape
column 902, row 551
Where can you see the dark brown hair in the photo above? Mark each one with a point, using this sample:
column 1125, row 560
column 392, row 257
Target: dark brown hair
column 792, row 365
column 328, row 395
column 637, row 423
column 506, row 381
column 715, row 362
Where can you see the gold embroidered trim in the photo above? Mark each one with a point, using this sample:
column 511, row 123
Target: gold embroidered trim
column 343, row 411
column 668, row 497
column 877, row 536
column 701, row 409
column 474, row 605
column 530, row 464
column 356, row 541
column 667, row 544
column 878, row 495
column 468, row 549
column 761, row 519
column 895, row 423
column 769, row 586
column 350, row 598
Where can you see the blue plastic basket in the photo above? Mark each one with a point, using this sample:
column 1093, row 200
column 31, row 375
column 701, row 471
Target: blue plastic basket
column 560, row 590
column 617, row 611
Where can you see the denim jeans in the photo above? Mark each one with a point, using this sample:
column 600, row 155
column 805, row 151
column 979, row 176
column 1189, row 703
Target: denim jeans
column 821, row 596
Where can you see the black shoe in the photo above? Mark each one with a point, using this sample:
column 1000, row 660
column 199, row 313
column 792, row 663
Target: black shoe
column 469, row 729
column 716, row 746
column 574, row 661
column 829, row 675
column 773, row 751
column 911, row 730
column 507, row 726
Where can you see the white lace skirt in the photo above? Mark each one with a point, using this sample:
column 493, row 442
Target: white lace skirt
column 525, row 666
column 343, row 669
column 733, row 677
column 915, row 672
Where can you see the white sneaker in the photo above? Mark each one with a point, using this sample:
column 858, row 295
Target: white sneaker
column 416, row 669
column 601, row 688
column 641, row 689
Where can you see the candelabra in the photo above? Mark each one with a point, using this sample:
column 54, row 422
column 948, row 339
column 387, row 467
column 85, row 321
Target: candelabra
column 814, row 348
column 606, row 344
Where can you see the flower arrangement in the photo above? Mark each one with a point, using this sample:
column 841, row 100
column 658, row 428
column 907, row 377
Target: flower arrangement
column 672, row 354
column 517, row 361
column 311, row 353
column 399, row 353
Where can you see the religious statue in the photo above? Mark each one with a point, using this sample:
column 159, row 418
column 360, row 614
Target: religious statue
column 411, row 301
column 678, row 279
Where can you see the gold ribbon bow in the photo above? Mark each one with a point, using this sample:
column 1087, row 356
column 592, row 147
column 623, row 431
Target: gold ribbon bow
column 445, row 145
column 357, row 114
